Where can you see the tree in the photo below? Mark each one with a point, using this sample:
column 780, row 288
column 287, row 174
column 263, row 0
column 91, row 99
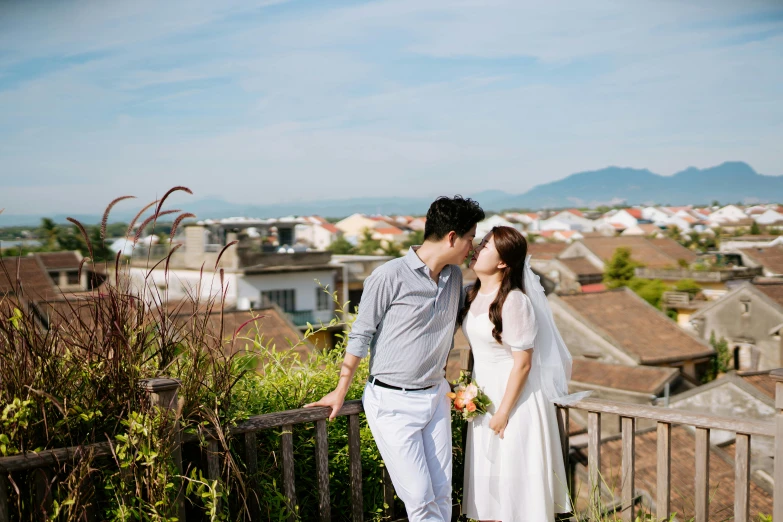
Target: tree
column 651, row 290
column 415, row 238
column 620, row 269
column 48, row 232
column 390, row 248
column 100, row 250
column 755, row 230
column 687, row 285
column 340, row 246
column 367, row 244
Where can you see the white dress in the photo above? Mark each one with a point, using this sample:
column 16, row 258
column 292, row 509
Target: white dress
column 520, row 478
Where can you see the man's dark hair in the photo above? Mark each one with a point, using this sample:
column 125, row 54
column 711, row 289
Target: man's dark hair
column 446, row 214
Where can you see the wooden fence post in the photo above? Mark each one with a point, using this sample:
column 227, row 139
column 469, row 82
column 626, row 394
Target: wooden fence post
column 777, row 510
column 163, row 394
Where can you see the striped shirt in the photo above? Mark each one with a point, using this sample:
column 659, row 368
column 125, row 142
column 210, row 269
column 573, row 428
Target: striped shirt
column 406, row 321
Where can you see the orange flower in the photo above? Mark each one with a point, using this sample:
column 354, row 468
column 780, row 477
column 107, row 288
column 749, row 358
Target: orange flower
column 459, row 403
column 471, row 407
column 451, row 395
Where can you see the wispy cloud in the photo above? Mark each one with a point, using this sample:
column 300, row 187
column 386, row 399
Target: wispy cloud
column 293, row 100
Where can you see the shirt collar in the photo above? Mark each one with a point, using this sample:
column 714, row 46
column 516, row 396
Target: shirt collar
column 413, row 260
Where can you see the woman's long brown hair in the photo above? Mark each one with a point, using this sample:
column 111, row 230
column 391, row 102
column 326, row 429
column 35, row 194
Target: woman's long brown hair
column 512, row 249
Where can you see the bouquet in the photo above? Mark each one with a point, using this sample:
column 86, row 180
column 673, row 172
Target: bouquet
column 468, row 398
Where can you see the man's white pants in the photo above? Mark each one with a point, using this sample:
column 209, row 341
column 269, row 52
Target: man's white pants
column 413, row 432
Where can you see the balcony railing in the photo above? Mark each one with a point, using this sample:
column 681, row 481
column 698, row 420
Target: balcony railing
column 302, row 317
column 163, row 393
column 666, row 418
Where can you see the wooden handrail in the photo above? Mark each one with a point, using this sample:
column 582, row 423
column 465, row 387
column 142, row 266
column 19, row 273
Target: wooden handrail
column 674, row 416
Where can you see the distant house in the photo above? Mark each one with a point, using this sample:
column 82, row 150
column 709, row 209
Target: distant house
column 571, row 219
column 418, row 224
column 749, row 318
column 727, row 215
column 656, row 215
column 529, row 221
column 254, row 274
column 618, row 326
column 769, row 216
column 741, row 395
column 485, row 226
column 654, row 253
column 27, row 277
column 63, row 268
column 388, row 234
column 769, row 258
column 620, row 382
column 682, row 490
column 317, row 233
column 627, row 217
column 732, row 244
column 356, row 224
column 645, row 229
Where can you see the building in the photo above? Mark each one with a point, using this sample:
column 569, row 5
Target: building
column 749, row 318
column 652, row 253
column 644, row 229
column 728, row 215
column 683, row 490
column 621, row 382
column 317, row 233
column 768, row 259
column 256, row 272
column 618, row 326
column 484, row 227
column 741, row 395
column 626, row 218
column 571, row 219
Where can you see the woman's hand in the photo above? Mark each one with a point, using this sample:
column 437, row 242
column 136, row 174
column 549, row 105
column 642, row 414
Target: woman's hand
column 498, row 423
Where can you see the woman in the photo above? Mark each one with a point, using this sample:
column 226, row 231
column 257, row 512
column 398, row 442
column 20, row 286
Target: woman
column 514, row 468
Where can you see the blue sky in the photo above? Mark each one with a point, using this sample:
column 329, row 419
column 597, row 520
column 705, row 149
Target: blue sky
column 261, row 102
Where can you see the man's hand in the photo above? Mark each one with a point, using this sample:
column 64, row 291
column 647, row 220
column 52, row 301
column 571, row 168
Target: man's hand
column 334, row 400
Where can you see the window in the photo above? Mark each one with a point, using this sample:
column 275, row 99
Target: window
column 285, row 299
column 323, row 299
column 745, row 306
column 73, row 278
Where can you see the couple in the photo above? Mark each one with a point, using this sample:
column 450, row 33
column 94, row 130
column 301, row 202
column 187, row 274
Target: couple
column 407, row 318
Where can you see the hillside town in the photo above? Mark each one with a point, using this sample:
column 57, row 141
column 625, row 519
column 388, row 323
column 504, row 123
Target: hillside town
column 672, row 307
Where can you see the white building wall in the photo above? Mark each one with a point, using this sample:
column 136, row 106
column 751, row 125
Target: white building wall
column 304, row 285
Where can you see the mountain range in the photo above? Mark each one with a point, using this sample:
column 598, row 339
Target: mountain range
column 729, row 182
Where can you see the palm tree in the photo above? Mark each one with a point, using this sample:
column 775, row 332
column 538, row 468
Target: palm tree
column 48, row 232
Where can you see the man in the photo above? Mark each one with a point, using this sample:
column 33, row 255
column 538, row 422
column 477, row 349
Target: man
column 406, row 321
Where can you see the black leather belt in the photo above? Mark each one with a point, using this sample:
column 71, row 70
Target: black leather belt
column 382, row 384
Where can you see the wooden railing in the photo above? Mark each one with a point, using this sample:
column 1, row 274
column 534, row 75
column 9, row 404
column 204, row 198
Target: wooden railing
column 163, row 393
column 665, row 419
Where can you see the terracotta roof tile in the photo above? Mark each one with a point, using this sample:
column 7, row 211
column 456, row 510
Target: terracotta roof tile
column 330, row 227
column 60, row 260
column 271, row 323
column 581, row 266
column 642, row 379
column 762, row 381
column 541, row 251
column 636, row 327
column 683, row 492
column 773, row 290
column 393, row 231
column 674, row 250
column 35, row 281
column 635, row 212
column 653, row 253
column 595, row 287
column 771, row 258
column 576, row 212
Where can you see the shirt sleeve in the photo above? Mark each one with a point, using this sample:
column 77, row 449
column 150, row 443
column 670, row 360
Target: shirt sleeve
column 519, row 322
column 376, row 299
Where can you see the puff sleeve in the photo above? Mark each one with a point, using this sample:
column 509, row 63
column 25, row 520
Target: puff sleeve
column 519, row 322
